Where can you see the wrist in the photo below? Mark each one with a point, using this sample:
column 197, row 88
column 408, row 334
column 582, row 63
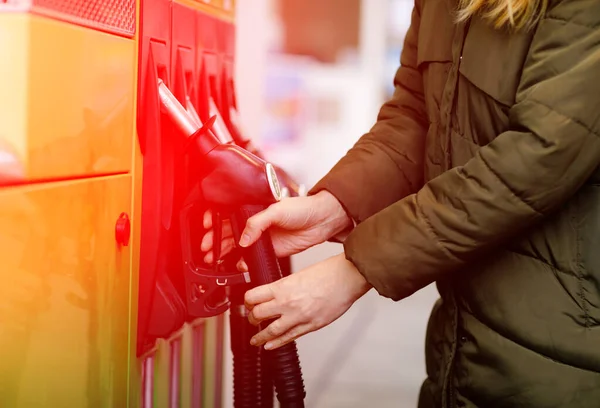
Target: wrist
column 338, row 221
column 356, row 280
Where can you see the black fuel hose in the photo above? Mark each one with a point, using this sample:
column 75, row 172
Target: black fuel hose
column 247, row 373
column 285, row 264
column 266, row 381
column 283, row 362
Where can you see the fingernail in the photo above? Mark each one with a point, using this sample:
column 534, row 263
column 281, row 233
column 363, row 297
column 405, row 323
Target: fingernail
column 253, row 342
column 244, row 240
column 207, row 220
column 268, row 346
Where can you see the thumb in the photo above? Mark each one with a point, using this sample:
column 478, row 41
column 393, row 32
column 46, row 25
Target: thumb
column 258, row 224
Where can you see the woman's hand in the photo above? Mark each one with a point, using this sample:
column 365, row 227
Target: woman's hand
column 304, row 301
column 295, row 224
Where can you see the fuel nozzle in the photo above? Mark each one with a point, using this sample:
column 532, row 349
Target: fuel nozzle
column 233, row 176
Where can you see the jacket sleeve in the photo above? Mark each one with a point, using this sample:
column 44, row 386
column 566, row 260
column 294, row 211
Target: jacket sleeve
column 551, row 147
column 386, row 164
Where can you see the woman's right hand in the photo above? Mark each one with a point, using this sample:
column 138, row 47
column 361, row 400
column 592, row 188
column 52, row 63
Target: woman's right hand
column 295, row 224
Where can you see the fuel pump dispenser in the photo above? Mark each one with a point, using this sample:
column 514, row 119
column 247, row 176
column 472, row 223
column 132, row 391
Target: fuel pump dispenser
column 235, row 184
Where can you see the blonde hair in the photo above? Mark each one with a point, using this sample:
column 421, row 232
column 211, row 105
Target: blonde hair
column 514, row 14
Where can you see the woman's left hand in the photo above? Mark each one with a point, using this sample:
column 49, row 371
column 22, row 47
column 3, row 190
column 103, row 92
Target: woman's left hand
column 304, row 301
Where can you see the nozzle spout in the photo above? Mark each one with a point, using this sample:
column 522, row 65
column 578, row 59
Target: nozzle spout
column 178, row 114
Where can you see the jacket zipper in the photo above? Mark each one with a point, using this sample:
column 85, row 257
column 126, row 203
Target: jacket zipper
column 450, row 391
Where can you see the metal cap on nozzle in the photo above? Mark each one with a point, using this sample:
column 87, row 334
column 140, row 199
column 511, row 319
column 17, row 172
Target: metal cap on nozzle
column 273, row 182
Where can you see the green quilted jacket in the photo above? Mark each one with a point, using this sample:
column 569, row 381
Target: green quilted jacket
column 482, row 174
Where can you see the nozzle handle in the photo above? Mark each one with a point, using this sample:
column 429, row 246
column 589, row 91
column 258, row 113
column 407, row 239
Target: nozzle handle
column 260, row 256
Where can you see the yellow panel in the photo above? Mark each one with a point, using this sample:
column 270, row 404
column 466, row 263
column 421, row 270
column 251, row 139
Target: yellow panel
column 210, row 362
column 64, row 294
column 135, row 364
column 187, row 345
column 14, row 37
column 161, row 374
column 222, row 9
column 134, row 380
column 79, row 85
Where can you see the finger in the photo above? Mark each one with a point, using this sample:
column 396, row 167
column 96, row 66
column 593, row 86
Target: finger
column 258, row 295
column 264, row 311
column 226, row 246
column 208, row 238
column 289, row 336
column 226, row 230
column 258, row 224
column 207, row 241
column 242, row 266
column 207, row 220
column 272, row 331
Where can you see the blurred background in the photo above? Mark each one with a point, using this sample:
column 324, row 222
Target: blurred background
column 311, row 76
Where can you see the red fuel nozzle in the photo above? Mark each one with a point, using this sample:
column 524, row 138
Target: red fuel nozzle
column 233, row 176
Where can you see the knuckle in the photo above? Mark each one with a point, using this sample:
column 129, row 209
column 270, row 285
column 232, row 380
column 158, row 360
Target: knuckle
column 251, row 223
column 304, row 311
column 304, row 315
column 275, row 291
column 274, row 329
column 263, row 220
column 249, row 300
column 287, row 303
column 291, row 335
column 227, row 245
column 275, row 211
column 257, row 313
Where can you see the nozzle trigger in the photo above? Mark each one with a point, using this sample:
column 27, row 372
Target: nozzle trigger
column 217, row 237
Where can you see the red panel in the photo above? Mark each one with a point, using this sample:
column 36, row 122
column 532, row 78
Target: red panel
column 227, row 67
column 225, row 49
column 207, row 62
column 183, row 55
column 161, row 309
column 113, row 16
column 228, row 106
column 210, row 81
column 226, row 39
column 207, row 29
column 155, row 62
